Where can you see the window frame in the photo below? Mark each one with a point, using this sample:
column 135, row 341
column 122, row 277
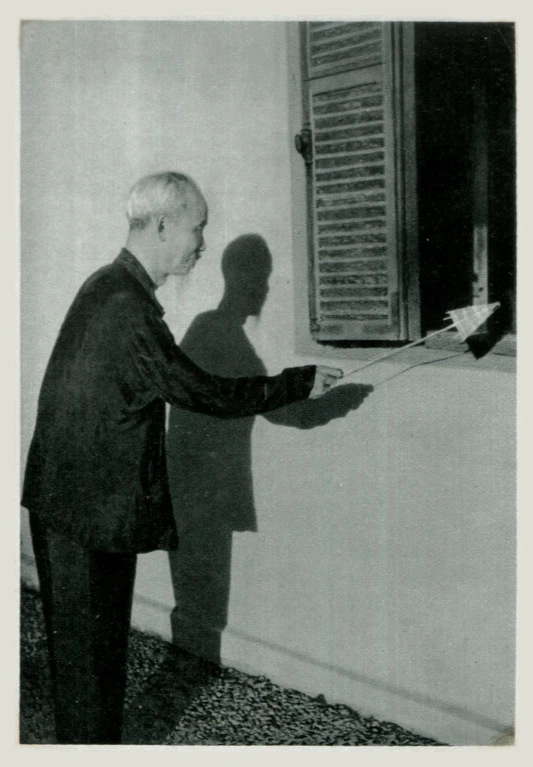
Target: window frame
column 303, row 228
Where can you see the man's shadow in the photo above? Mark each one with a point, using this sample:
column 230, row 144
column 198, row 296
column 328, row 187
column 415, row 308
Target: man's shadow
column 209, row 459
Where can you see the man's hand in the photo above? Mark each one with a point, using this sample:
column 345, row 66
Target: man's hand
column 325, row 378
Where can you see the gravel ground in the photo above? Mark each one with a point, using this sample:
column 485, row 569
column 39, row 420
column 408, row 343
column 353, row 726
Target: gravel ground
column 174, row 698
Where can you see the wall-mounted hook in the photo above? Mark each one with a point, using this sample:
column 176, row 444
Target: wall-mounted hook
column 304, row 145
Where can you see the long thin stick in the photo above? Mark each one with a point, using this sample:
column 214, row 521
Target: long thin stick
column 396, row 351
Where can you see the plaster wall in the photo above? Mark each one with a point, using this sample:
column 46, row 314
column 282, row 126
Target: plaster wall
column 381, row 572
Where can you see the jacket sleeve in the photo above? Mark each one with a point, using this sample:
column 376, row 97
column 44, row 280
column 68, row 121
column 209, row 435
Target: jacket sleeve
column 160, row 369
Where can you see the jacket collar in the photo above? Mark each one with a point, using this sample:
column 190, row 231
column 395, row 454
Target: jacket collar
column 137, row 270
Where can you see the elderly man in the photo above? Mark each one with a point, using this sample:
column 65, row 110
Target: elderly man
column 96, row 482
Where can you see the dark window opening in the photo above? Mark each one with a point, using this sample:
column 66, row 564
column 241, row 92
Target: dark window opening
column 465, row 102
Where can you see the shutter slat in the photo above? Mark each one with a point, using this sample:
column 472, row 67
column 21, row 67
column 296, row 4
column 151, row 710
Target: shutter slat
column 350, row 186
column 370, row 278
column 353, row 226
column 351, row 159
column 355, row 53
column 349, row 105
column 344, row 94
column 362, row 211
column 351, row 267
column 342, row 39
column 342, row 134
column 355, row 172
column 355, row 310
column 336, row 30
column 352, row 239
column 367, row 116
column 350, row 307
column 345, row 63
column 339, row 200
column 349, row 146
column 368, row 254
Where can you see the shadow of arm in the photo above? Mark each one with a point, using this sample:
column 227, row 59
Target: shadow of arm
column 310, row 413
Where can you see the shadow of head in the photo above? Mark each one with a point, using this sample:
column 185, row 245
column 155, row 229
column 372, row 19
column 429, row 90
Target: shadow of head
column 246, row 268
column 310, row 413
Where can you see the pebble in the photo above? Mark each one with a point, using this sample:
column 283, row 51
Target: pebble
column 173, row 698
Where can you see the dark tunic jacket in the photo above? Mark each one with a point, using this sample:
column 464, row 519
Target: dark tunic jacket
column 96, row 468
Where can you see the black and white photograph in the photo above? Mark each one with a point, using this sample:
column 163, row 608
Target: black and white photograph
column 268, row 327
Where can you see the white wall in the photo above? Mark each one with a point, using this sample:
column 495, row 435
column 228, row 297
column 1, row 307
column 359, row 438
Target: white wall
column 382, row 571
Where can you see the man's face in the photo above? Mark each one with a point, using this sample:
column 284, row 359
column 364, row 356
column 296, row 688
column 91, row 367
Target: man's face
column 184, row 238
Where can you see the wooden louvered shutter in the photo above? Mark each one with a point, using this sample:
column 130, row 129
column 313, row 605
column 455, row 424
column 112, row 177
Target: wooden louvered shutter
column 359, row 139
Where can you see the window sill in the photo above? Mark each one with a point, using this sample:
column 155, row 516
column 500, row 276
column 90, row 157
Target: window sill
column 445, row 349
column 450, row 342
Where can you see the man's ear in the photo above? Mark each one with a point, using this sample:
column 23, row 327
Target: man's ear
column 161, row 227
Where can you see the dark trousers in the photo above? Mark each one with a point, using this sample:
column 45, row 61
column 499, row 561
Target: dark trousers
column 87, row 598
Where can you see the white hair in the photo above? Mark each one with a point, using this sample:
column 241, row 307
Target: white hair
column 160, row 194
